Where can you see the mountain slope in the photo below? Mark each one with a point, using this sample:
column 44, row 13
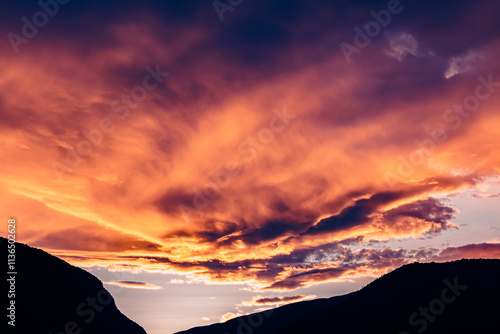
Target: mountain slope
column 54, row 297
column 269, row 321
column 454, row 297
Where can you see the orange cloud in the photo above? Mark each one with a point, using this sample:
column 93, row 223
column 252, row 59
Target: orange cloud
column 228, row 316
column 134, row 285
column 237, row 170
column 473, row 251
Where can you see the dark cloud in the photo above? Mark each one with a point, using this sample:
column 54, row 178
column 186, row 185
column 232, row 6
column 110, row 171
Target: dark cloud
column 429, row 209
column 268, row 231
column 357, row 214
column 173, row 199
column 363, row 210
column 483, row 250
column 259, row 300
column 274, row 300
column 308, row 277
column 134, row 285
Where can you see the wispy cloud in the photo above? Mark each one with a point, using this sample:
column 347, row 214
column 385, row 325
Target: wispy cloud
column 276, row 301
column 486, row 195
column 462, row 63
column 134, row 285
column 292, row 201
column 401, row 45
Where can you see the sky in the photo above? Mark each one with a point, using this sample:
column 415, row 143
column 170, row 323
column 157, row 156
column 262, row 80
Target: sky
column 207, row 159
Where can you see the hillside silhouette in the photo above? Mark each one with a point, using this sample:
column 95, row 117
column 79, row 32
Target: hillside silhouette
column 51, row 296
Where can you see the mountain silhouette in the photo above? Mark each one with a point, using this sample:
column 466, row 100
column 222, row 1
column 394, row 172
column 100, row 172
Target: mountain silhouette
column 454, row 297
column 53, row 297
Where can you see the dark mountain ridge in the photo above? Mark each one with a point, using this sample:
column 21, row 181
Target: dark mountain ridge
column 53, row 297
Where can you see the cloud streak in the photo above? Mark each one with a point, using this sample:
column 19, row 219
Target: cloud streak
column 276, row 301
column 134, row 285
column 279, row 201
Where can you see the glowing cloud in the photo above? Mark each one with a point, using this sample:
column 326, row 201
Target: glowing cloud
column 134, row 285
column 260, row 157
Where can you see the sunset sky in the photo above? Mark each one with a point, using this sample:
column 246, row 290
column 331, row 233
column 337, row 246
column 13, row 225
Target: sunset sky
column 208, row 158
